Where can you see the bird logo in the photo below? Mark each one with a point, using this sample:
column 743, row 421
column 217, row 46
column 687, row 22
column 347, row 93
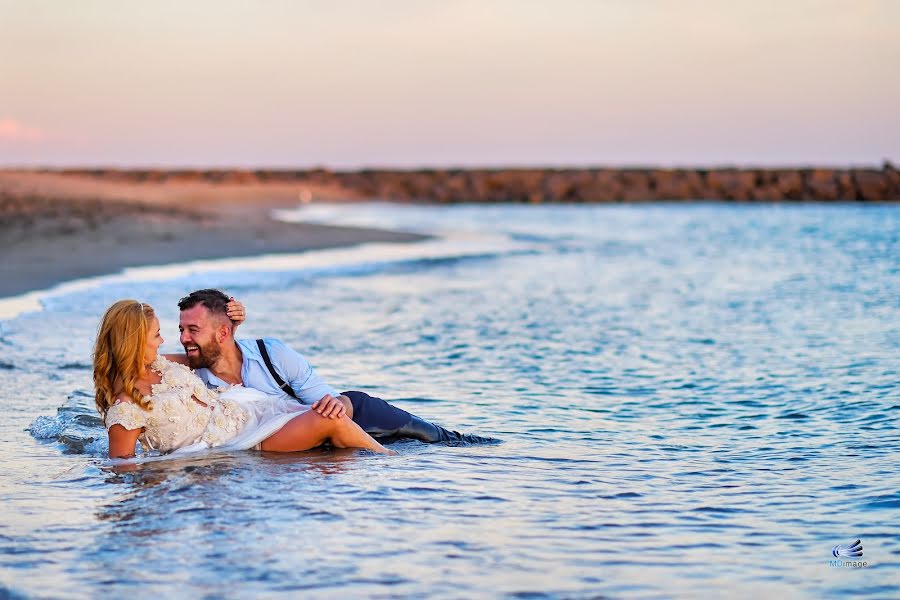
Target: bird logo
column 853, row 550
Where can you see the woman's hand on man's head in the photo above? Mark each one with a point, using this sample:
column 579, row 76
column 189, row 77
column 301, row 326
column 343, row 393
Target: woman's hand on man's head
column 236, row 312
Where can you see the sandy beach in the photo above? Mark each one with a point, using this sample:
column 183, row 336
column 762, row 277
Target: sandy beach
column 56, row 228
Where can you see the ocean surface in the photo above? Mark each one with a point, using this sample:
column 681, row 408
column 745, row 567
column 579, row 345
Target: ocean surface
column 694, row 401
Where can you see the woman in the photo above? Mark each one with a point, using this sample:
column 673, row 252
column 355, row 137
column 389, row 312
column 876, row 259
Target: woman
column 144, row 396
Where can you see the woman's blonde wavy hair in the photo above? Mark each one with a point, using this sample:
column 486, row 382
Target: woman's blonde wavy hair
column 119, row 352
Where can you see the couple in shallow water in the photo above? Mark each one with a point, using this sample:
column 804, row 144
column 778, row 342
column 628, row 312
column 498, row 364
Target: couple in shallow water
column 242, row 394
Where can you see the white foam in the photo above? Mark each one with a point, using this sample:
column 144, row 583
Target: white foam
column 414, row 218
column 45, row 428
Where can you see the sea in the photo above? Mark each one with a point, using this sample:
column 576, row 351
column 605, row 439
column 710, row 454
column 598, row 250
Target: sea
column 695, row 400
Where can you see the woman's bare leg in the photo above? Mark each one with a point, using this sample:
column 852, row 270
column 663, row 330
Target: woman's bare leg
column 348, row 434
column 310, row 430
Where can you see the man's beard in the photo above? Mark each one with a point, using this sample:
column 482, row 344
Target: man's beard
column 206, row 357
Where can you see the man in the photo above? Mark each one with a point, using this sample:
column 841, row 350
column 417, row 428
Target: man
column 207, row 334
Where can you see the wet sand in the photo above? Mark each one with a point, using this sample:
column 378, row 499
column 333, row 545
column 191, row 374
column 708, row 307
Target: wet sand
column 56, row 228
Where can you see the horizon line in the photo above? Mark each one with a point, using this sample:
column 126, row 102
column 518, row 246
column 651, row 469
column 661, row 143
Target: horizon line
column 884, row 164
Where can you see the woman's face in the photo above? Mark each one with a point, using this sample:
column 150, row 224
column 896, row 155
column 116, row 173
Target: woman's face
column 154, row 341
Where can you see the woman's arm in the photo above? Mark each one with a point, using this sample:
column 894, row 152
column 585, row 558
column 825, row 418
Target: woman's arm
column 181, row 359
column 127, row 422
column 236, row 312
column 122, row 441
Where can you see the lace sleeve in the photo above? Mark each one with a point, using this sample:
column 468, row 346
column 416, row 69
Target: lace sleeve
column 126, row 414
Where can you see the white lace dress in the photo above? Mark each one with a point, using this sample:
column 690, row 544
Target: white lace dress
column 186, row 417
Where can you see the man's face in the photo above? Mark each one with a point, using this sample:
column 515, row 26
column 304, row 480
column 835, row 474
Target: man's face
column 198, row 336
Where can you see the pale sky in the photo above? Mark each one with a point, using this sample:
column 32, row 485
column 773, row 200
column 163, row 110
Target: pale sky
column 407, row 83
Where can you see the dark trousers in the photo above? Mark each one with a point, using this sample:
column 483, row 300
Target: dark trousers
column 382, row 420
column 376, row 416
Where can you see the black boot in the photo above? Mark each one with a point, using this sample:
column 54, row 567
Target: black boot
column 420, row 429
column 382, row 420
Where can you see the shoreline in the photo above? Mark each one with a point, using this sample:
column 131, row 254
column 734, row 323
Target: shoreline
column 62, row 225
column 49, row 240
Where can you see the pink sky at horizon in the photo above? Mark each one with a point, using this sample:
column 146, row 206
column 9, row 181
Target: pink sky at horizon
column 405, row 83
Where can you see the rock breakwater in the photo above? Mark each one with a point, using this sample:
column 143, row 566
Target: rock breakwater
column 559, row 185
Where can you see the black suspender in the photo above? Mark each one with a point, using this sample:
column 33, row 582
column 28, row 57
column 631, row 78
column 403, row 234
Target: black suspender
column 278, row 380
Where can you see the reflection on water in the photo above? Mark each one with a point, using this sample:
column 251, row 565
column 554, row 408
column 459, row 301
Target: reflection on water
column 694, row 401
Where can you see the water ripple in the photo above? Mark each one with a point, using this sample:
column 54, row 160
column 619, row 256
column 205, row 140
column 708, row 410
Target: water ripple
column 681, row 391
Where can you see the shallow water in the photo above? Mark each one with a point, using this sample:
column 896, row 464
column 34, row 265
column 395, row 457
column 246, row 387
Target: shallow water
column 693, row 400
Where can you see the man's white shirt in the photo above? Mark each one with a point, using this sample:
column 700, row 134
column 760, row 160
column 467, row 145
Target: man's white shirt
column 289, row 364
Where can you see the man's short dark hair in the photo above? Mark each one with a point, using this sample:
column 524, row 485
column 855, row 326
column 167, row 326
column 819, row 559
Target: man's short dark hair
column 214, row 300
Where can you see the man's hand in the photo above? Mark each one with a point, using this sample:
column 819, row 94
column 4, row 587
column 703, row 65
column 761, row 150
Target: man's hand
column 330, row 407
